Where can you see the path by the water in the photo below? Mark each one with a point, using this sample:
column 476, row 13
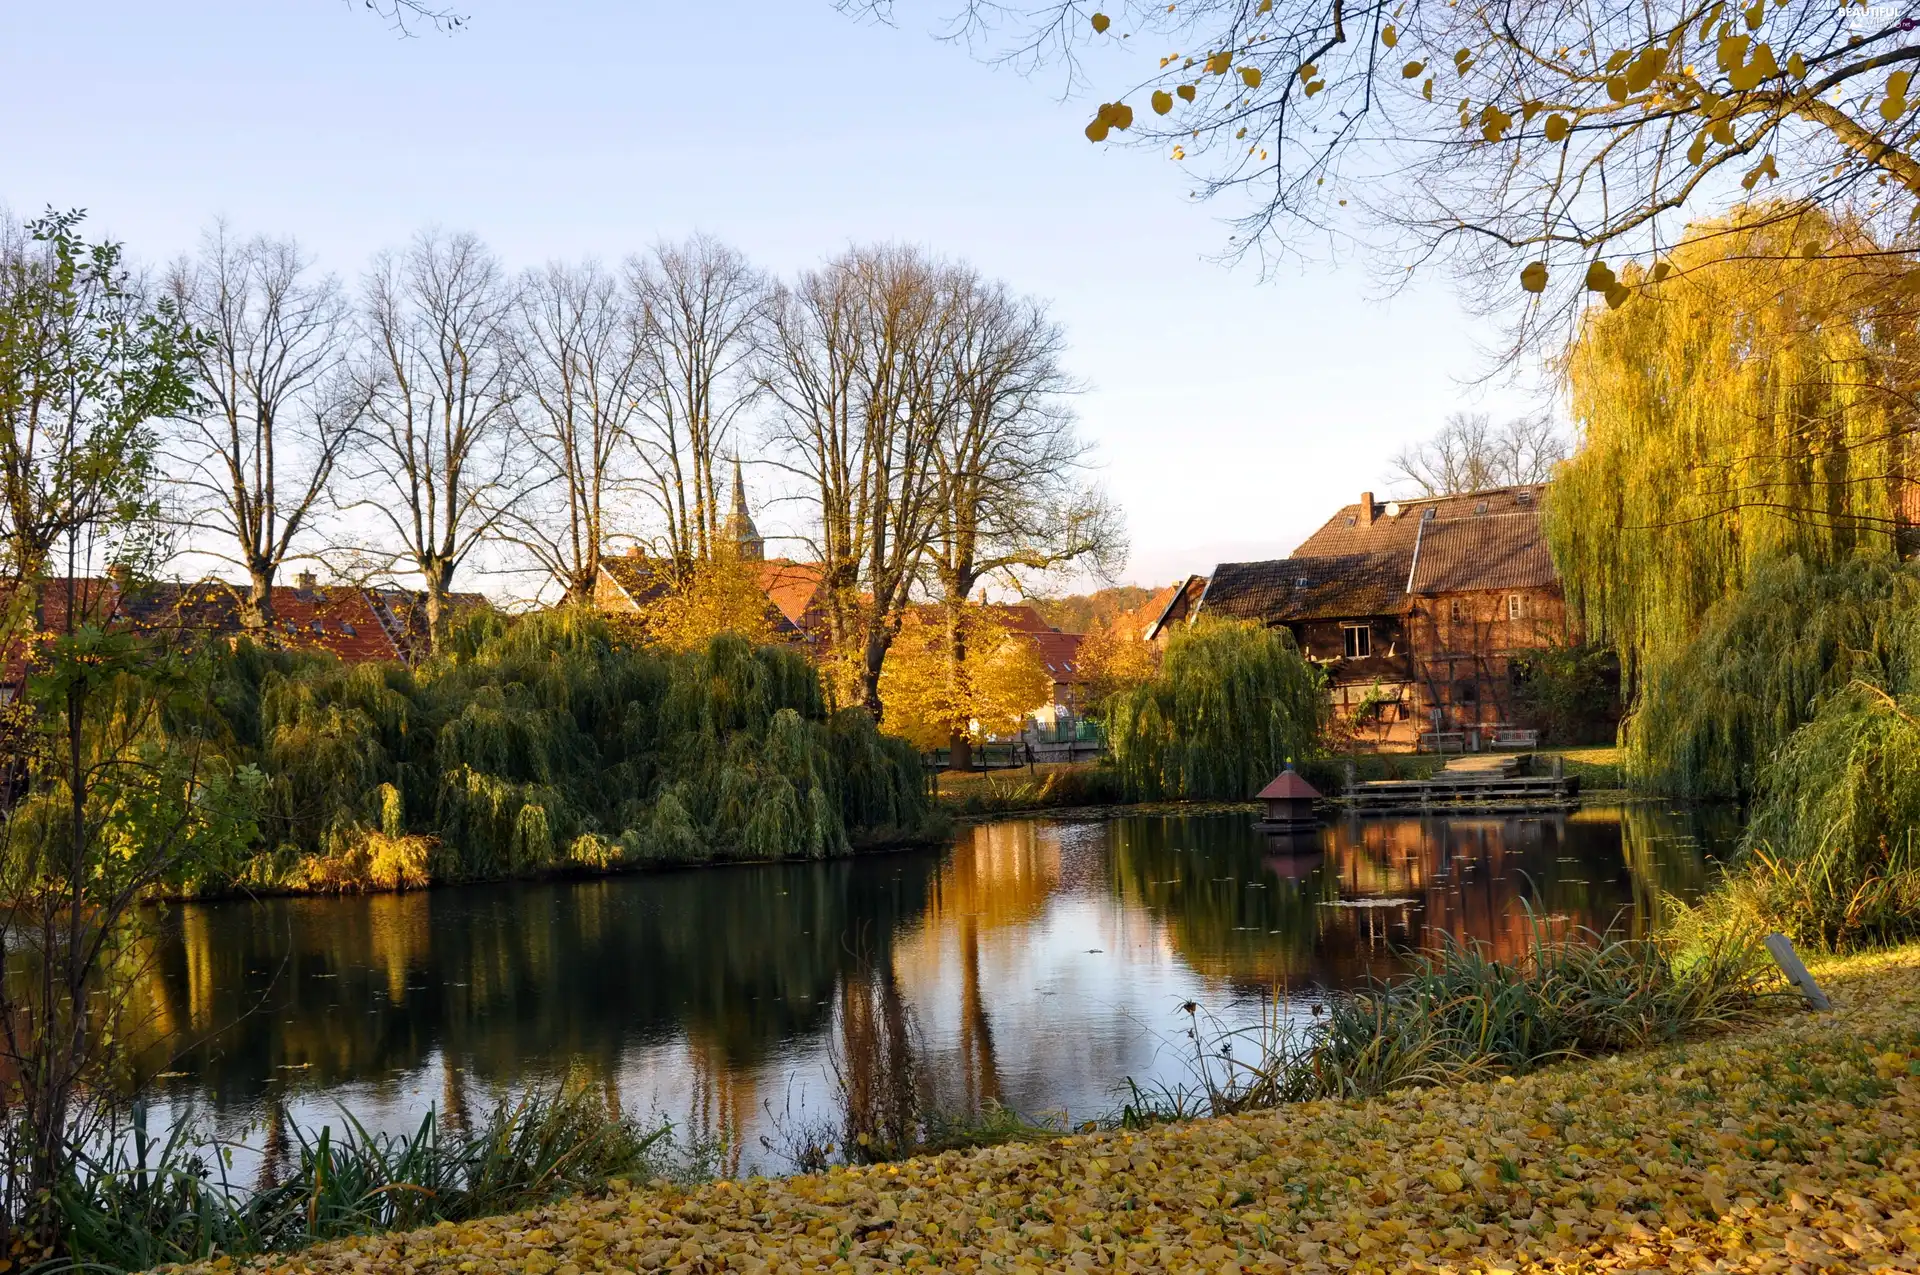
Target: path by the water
column 1791, row 1146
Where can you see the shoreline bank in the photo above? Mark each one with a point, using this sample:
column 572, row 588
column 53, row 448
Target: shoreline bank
column 1795, row 1142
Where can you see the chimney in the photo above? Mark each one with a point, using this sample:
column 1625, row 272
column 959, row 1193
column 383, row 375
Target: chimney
column 1366, row 509
column 304, row 582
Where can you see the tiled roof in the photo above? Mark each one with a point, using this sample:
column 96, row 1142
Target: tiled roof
column 1354, row 584
column 355, row 624
column 794, row 587
column 1498, row 551
column 1019, row 617
column 637, row 577
column 1060, row 652
column 1352, row 568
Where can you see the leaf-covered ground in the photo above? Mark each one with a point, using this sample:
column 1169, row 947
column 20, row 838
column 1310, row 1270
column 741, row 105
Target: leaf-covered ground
column 1791, row 1147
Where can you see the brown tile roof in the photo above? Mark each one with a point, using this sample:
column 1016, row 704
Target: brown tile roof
column 1350, row 568
column 790, row 587
column 639, row 578
column 1498, row 551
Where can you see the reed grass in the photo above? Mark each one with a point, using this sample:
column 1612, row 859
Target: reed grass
column 141, row 1201
column 1462, row 1015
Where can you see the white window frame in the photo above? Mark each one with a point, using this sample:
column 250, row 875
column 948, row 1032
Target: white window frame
column 1347, row 643
column 1516, row 606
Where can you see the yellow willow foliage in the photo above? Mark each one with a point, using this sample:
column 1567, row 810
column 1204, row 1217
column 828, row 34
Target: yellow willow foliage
column 927, row 699
column 1745, row 406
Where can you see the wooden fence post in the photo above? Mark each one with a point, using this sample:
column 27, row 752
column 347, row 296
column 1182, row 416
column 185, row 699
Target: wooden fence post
column 1790, row 964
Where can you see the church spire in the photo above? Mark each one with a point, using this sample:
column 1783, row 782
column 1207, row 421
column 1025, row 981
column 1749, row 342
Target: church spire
column 747, row 542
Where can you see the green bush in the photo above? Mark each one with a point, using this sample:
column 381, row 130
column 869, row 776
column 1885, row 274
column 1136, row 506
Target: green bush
column 546, row 742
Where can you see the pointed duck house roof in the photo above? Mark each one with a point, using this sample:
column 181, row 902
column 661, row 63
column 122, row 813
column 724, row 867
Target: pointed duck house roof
column 1288, row 785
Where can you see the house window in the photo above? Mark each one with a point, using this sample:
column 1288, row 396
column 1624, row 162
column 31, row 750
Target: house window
column 1454, row 610
column 1359, row 640
column 1466, row 692
column 1516, row 606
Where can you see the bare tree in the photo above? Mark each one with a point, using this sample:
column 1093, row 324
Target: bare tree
column 277, row 404
column 701, row 304
column 1013, row 497
column 1470, row 453
column 578, row 362
column 858, row 363
column 438, row 365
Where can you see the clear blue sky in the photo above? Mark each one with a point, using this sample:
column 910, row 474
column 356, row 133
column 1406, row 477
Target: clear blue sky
column 1232, row 415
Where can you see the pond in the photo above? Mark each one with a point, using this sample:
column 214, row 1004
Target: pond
column 1037, row 963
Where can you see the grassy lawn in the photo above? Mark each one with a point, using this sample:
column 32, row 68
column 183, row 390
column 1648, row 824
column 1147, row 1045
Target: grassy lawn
column 1791, row 1146
column 1597, row 767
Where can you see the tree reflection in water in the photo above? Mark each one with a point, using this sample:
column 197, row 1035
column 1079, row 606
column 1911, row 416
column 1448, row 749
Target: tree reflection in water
column 1035, row 963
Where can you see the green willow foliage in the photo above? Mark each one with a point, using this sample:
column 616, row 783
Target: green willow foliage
column 1232, row 703
column 1743, row 408
column 1714, row 712
column 546, row 742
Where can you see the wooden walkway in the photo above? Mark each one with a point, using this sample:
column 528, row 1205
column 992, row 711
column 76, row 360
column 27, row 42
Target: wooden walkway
column 1477, row 784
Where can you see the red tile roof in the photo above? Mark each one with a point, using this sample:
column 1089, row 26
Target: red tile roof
column 353, row 623
column 1498, row 551
column 1060, row 652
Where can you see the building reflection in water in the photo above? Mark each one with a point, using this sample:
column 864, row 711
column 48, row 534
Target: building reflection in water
column 1038, row 964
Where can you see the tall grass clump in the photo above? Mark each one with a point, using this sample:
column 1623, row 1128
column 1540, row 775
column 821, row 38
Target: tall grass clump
column 1232, row 702
column 546, row 742
column 145, row 1201
column 1463, row 1015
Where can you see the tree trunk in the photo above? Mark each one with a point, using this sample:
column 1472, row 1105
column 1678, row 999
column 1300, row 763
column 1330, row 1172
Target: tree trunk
column 256, row 609
column 439, row 578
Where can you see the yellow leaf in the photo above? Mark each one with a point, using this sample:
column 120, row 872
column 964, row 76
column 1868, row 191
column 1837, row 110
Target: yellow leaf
column 1097, row 131
column 1556, row 128
column 1534, row 277
column 1732, row 51
column 1101, row 22
column 1121, row 115
column 1600, row 277
column 1240, row 135
column 1446, row 1180
column 1186, row 92
column 1315, row 87
column 1617, row 296
column 1722, row 132
column 1266, row 6
column 1426, row 90
column 1250, row 75
column 1162, row 101
column 1308, row 71
column 1810, row 251
column 1756, row 15
column 1494, row 122
column 1646, row 68
column 1765, row 168
column 1697, row 151
column 1797, row 66
column 1661, row 269
column 1617, row 88
column 1412, row 69
column 1463, row 61
column 1390, row 37
column 1219, row 63
column 1530, row 109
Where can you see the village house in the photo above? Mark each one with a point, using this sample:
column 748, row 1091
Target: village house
column 355, row 623
column 1169, row 608
column 1420, row 611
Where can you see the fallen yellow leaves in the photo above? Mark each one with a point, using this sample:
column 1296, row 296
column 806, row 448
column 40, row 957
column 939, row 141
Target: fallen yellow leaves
column 1795, row 1146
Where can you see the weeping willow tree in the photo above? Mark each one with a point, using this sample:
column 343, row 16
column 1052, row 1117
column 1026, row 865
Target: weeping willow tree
column 1231, row 704
column 1749, row 405
column 1716, row 709
column 548, row 742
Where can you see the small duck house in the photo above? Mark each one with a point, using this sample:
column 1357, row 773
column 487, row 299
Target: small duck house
column 1289, row 804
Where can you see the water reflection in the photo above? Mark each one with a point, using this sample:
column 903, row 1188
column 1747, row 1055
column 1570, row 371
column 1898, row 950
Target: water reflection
column 1035, row 963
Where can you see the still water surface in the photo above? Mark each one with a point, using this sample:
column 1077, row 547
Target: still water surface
column 1036, row 963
